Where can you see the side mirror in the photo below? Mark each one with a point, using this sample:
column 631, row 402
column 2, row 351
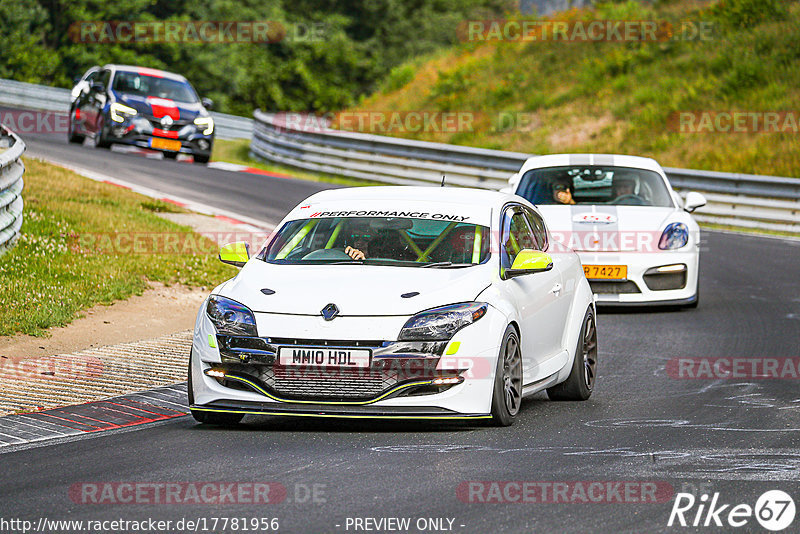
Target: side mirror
column 693, row 201
column 235, row 254
column 207, row 103
column 529, row 261
column 97, row 87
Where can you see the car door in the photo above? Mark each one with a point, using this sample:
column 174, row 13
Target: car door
column 92, row 105
column 536, row 296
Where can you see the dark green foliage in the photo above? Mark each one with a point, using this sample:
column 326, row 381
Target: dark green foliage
column 361, row 42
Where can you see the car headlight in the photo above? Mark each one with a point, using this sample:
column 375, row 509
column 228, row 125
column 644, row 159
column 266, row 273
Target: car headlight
column 231, row 318
column 205, row 122
column 441, row 324
column 120, row 112
column 675, row 235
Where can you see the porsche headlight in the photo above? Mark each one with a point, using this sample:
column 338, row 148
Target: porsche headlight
column 120, row 112
column 205, row 122
column 441, row 324
column 675, row 235
column 231, row 318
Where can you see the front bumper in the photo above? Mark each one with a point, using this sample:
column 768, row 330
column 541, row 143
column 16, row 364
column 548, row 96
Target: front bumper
column 139, row 132
column 640, row 288
column 339, row 412
column 246, row 388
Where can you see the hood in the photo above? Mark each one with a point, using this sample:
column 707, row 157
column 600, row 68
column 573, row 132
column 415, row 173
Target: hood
column 154, row 107
column 608, row 228
column 355, row 289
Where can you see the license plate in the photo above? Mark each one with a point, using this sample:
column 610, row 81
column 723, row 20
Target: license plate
column 324, row 357
column 165, row 144
column 606, row 272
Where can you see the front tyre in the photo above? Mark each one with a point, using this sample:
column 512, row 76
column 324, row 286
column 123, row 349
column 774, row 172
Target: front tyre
column 507, row 393
column 201, row 159
column 580, row 383
column 101, row 140
column 209, row 418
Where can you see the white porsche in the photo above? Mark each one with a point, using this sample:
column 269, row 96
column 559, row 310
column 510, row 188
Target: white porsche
column 396, row 302
column 635, row 236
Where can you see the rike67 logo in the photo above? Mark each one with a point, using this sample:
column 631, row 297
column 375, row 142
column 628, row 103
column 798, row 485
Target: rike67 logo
column 774, row 510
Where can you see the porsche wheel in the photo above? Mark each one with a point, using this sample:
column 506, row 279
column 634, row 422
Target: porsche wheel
column 507, row 395
column 580, row 383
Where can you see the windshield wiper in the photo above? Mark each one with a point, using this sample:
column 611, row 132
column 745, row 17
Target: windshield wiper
column 446, row 265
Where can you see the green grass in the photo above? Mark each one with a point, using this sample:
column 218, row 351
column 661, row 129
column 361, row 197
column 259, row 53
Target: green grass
column 238, row 151
column 54, row 271
column 618, row 97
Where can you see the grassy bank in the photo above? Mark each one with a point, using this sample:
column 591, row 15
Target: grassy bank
column 65, row 262
column 621, row 97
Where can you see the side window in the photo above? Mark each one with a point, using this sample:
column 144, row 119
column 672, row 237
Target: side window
column 539, row 229
column 516, row 236
column 91, row 76
column 105, row 77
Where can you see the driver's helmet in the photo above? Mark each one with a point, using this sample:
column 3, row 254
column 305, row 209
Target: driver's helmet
column 623, row 178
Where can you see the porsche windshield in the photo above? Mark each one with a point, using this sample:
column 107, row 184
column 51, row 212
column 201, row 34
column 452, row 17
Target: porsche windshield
column 379, row 241
column 135, row 83
column 594, row 184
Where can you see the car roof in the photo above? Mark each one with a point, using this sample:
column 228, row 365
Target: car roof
column 613, row 160
column 146, row 71
column 446, row 195
column 477, row 204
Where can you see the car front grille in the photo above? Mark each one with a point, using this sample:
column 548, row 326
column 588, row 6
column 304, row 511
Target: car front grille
column 665, row 281
column 614, row 288
column 339, row 384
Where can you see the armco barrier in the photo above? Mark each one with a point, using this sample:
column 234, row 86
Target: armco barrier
column 11, row 184
column 751, row 201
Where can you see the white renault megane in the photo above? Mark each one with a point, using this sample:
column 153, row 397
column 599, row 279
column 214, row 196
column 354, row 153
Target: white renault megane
column 396, row 302
column 634, row 233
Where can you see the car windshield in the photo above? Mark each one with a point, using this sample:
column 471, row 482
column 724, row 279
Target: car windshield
column 394, row 241
column 134, row 83
column 594, row 184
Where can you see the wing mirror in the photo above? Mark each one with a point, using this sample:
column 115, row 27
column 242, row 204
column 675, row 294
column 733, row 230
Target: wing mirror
column 529, row 261
column 207, row 103
column 235, row 254
column 693, row 201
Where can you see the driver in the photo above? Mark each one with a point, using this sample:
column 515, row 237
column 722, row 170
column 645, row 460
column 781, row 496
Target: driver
column 386, row 244
column 562, row 192
column 624, row 185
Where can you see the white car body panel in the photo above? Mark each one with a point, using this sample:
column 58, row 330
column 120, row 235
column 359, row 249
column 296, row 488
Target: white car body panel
column 547, row 308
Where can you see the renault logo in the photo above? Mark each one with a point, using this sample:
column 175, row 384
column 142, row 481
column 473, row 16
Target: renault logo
column 330, row 311
column 166, row 120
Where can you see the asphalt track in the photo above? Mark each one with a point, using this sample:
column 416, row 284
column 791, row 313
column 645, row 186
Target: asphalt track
column 738, row 437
